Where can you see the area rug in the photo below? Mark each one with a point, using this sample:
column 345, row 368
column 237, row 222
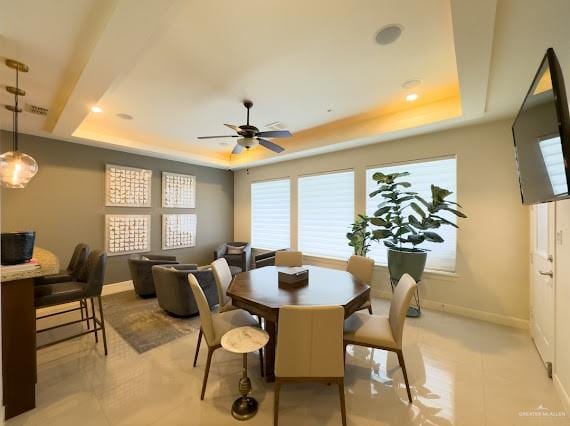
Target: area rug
column 142, row 323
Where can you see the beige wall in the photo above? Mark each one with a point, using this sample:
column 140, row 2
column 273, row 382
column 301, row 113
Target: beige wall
column 65, row 202
column 492, row 252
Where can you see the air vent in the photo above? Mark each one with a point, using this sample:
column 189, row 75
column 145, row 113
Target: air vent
column 34, row 109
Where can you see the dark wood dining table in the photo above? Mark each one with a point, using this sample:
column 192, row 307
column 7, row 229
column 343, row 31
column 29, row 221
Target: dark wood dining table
column 259, row 292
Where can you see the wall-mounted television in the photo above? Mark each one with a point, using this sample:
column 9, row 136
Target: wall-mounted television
column 541, row 133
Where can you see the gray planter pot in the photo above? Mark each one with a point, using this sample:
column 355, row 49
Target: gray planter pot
column 403, row 261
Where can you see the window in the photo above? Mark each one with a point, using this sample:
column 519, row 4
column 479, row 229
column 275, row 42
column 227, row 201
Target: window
column 422, row 174
column 326, row 210
column 271, row 214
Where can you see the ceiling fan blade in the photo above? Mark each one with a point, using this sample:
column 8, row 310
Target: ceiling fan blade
column 275, row 134
column 216, row 137
column 270, row 145
column 231, row 126
column 237, row 149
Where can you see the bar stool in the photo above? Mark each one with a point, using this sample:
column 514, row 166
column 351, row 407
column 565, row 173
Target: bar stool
column 243, row 340
column 75, row 291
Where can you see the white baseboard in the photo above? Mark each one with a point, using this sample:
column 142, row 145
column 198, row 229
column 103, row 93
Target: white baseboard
column 463, row 311
column 562, row 393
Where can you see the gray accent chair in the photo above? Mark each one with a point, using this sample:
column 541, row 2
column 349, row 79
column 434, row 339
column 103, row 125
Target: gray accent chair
column 71, row 273
column 241, row 260
column 88, row 287
column 173, row 292
column 266, row 258
column 141, row 265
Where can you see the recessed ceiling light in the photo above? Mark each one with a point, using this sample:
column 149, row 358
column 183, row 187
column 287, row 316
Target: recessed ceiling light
column 125, row 116
column 388, row 34
column 96, row 108
column 411, row 84
column 412, row 97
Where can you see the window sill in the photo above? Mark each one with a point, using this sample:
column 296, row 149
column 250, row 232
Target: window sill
column 336, row 263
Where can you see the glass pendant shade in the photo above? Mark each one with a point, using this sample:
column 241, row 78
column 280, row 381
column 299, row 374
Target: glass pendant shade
column 16, row 169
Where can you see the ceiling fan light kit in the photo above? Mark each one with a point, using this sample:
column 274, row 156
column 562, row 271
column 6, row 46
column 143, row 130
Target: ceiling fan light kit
column 249, row 136
column 16, row 168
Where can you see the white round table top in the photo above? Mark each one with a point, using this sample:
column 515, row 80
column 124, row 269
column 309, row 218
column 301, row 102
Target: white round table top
column 242, row 340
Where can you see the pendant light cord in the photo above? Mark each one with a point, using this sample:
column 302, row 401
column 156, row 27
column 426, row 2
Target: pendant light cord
column 16, row 110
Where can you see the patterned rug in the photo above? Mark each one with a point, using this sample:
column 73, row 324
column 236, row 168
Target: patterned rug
column 142, row 323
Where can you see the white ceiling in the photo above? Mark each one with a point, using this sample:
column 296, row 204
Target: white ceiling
column 182, row 68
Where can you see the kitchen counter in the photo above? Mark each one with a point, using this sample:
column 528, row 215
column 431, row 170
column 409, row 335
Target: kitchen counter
column 49, row 264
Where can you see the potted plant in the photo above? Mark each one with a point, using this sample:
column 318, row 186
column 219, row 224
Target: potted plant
column 360, row 236
column 404, row 221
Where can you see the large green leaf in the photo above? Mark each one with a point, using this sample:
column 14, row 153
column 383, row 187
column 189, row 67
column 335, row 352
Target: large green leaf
column 433, row 237
column 418, row 209
column 455, row 212
column 381, row 211
column 444, row 220
column 380, row 234
column 416, row 239
column 378, row 221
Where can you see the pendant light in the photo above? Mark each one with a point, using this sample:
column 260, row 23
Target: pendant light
column 16, row 168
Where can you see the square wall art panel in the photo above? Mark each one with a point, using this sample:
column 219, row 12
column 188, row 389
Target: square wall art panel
column 127, row 186
column 178, row 231
column 126, row 234
column 178, row 190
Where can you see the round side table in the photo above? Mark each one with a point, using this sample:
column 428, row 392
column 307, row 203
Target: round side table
column 243, row 340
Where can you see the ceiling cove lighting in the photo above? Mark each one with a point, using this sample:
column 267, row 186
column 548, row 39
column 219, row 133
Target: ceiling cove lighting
column 96, row 109
column 412, row 97
column 16, row 168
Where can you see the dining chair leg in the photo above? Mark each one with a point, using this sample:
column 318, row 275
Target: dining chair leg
column 85, row 313
column 94, row 323
column 206, row 372
column 403, row 367
column 342, row 401
column 102, row 319
column 370, row 309
column 276, row 403
column 261, row 362
column 344, row 353
column 197, row 347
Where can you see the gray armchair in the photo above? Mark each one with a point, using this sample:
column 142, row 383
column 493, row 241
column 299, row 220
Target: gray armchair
column 236, row 253
column 141, row 271
column 265, row 258
column 174, row 293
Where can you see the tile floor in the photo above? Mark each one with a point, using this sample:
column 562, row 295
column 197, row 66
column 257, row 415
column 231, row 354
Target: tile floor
column 462, row 372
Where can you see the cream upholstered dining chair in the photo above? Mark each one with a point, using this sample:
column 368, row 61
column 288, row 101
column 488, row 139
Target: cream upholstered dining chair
column 309, row 349
column 381, row 332
column 362, row 267
column 288, row 258
column 214, row 326
column 223, row 278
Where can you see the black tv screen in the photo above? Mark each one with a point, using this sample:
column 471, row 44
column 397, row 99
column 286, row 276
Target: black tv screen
column 541, row 133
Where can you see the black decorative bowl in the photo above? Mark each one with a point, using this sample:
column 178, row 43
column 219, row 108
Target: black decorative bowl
column 17, row 247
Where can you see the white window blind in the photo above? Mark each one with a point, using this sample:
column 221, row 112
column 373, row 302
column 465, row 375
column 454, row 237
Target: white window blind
column 441, row 173
column 326, row 210
column 271, row 214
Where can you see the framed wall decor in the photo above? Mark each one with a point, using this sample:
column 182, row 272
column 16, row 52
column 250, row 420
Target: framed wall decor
column 127, row 186
column 178, row 231
column 178, row 190
column 126, row 234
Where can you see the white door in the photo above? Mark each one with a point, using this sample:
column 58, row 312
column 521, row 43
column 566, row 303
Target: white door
column 542, row 280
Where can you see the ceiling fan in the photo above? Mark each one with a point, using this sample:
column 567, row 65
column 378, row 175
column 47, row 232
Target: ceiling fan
column 249, row 136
